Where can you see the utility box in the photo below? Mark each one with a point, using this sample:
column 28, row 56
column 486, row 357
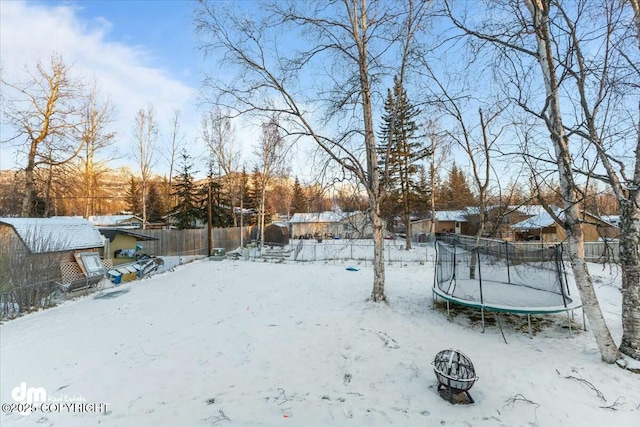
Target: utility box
column 218, row 254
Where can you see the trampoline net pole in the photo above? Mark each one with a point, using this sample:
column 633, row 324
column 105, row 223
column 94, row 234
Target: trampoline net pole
column 506, row 252
column 480, row 277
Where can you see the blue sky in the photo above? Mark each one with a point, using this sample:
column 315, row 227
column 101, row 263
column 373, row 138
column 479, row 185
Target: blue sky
column 164, row 28
column 139, row 53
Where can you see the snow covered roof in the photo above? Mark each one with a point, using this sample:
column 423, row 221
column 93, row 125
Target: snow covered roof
column 55, row 234
column 611, row 219
column 329, row 216
column 114, row 220
column 541, row 220
column 531, row 210
column 460, row 216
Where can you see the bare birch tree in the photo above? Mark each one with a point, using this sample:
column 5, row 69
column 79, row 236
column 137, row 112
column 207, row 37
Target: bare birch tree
column 532, row 39
column 145, row 133
column 607, row 87
column 270, row 153
column 346, row 47
column 45, row 115
column 95, row 138
column 175, row 144
column 217, row 133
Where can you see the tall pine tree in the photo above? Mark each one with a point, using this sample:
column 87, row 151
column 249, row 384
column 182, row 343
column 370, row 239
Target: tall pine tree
column 400, row 153
column 133, row 197
column 299, row 199
column 188, row 208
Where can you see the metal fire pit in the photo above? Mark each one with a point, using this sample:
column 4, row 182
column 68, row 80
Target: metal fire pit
column 455, row 374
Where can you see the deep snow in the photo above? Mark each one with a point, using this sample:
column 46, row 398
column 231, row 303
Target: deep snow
column 245, row 343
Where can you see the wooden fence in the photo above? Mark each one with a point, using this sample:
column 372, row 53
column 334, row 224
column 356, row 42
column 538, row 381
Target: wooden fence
column 193, row 242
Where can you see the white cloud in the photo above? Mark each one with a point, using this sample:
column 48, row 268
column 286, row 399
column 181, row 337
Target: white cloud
column 30, row 32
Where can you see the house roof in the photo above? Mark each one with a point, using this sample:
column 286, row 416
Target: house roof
column 55, row 234
column 611, row 219
column 541, row 220
column 544, row 219
column 329, row 216
column 460, row 216
column 111, row 233
column 113, row 220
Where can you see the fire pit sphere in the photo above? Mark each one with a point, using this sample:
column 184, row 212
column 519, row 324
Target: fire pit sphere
column 455, row 373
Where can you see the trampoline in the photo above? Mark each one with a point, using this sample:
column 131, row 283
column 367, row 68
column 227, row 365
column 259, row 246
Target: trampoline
column 502, row 277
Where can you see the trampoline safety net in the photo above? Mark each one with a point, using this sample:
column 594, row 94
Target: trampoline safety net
column 502, row 275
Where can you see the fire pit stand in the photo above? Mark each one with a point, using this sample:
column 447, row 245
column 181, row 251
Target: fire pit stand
column 455, row 374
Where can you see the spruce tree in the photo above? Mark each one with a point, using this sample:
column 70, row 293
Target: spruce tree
column 188, row 208
column 133, row 197
column 155, row 204
column 455, row 193
column 220, row 202
column 400, row 153
column 299, row 199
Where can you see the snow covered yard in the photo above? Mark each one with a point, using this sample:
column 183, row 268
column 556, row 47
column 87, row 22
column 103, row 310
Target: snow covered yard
column 262, row 344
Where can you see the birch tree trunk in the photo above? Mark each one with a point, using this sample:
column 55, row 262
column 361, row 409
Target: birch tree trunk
column 539, row 10
column 630, row 243
column 630, row 261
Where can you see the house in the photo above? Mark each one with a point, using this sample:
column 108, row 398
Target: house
column 50, row 248
column 119, row 221
column 445, row 222
column 122, row 245
column 543, row 227
column 349, row 225
column 500, row 218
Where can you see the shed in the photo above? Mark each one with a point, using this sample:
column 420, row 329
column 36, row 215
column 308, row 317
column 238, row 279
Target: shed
column 122, row 245
column 47, row 248
column 276, row 233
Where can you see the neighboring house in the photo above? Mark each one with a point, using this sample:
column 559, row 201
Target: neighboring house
column 543, row 227
column 349, row 225
column 445, row 222
column 172, row 222
column 54, row 246
column 118, row 221
column 500, row 219
column 122, row 245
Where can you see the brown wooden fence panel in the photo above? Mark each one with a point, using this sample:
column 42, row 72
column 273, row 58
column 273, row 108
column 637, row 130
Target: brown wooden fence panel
column 192, row 242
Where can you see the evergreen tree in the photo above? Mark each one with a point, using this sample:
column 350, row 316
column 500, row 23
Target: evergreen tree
column 247, row 200
column 155, row 203
column 299, row 199
column 400, row 153
column 421, row 203
column 188, row 208
column 220, row 203
column 455, row 193
column 134, row 196
column 255, row 189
